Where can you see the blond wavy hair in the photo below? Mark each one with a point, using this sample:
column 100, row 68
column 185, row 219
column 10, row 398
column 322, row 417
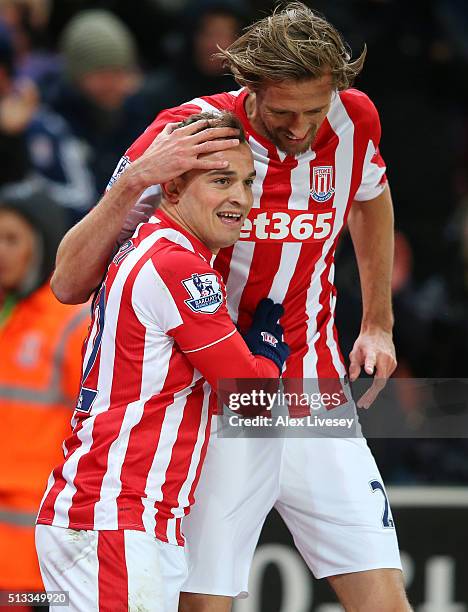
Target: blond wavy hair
column 294, row 43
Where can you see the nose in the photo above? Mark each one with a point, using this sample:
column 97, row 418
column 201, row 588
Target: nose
column 299, row 126
column 240, row 195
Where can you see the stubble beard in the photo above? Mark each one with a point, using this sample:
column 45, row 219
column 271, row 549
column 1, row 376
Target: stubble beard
column 282, row 144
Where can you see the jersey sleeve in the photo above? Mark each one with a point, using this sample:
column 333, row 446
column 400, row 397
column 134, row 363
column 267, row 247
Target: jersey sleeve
column 229, row 359
column 196, row 315
column 192, row 310
column 374, row 178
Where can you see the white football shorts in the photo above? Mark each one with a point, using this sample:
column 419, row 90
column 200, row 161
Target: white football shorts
column 110, row 571
column 328, row 491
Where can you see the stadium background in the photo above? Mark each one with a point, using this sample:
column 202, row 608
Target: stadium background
column 417, row 74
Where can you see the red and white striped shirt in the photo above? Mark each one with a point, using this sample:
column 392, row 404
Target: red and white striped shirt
column 287, row 247
column 160, row 326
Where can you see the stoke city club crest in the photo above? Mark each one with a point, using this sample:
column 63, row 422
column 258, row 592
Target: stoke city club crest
column 322, row 183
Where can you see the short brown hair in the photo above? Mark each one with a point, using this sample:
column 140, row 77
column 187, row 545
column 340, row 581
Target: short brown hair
column 294, row 43
column 218, row 120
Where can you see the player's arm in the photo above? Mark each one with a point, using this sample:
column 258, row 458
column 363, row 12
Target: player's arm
column 371, row 227
column 201, row 326
column 259, row 353
column 86, row 249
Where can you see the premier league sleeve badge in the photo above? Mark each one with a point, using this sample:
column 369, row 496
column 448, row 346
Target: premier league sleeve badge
column 205, row 293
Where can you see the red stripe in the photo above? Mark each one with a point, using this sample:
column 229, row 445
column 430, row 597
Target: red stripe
column 325, row 366
column 178, row 530
column 223, row 262
column 112, row 572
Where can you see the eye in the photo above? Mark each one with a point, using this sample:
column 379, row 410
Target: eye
column 221, row 181
column 249, row 182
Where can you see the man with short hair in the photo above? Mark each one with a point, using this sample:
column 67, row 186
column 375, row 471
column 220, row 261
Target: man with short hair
column 110, row 526
column 315, row 144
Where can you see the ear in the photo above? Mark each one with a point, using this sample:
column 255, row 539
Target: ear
column 172, row 190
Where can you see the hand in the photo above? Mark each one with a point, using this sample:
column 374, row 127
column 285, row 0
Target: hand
column 376, row 352
column 265, row 335
column 177, row 150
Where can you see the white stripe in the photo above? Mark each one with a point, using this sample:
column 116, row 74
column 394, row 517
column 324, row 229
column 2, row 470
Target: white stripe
column 161, row 311
column 239, row 267
column 370, row 186
column 261, row 162
column 243, row 251
column 344, row 129
column 289, row 255
column 184, row 493
column 212, row 343
column 171, row 531
column 236, row 92
column 290, row 251
column 205, row 106
column 162, row 457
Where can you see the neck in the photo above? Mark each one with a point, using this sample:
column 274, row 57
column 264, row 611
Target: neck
column 173, row 213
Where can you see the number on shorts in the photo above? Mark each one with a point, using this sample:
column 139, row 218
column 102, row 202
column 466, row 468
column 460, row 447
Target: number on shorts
column 387, row 520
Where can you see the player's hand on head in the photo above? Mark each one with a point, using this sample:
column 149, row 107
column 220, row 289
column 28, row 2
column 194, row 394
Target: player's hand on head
column 176, row 150
column 265, row 335
column 375, row 352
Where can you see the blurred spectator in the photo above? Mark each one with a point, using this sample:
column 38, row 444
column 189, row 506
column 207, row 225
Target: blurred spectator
column 100, row 94
column 40, row 344
column 54, row 154
column 194, row 71
column 150, row 24
column 28, row 20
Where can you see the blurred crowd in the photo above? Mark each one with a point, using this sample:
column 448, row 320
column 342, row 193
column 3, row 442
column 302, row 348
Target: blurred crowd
column 80, row 80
